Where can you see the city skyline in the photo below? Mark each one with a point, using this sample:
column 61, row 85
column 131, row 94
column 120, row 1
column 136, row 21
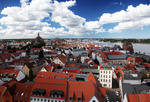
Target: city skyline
column 75, row 18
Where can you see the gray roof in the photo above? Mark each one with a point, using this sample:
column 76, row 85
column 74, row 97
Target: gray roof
column 84, row 76
column 117, row 57
column 134, row 89
column 69, row 68
column 90, row 70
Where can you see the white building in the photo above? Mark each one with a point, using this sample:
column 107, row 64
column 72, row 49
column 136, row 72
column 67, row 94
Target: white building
column 105, row 76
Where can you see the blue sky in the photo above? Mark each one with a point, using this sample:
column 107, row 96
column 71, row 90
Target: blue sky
column 75, row 18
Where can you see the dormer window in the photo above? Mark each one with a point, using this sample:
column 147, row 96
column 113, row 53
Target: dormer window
column 56, row 93
column 71, row 99
column 79, row 99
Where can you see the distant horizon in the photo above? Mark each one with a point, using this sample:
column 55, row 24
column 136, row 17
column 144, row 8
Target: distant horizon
column 75, row 19
column 74, row 38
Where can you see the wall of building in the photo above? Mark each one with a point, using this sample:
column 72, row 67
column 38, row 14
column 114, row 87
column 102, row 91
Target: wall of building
column 39, row 99
column 105, row 77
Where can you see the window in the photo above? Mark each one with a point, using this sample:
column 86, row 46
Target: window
column 79, row 99
column 93, row 101
column 71, row 99
column 41, row 99
column 105, row 84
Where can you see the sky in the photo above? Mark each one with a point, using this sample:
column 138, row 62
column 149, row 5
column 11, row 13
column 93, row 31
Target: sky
column 74, row 19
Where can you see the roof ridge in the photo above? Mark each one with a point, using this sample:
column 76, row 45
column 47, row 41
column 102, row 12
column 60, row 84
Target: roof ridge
column 139, row 98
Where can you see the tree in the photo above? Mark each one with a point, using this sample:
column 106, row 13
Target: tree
column 30, row 75
column 8, row 47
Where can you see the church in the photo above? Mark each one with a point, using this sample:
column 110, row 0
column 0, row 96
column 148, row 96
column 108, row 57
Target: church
column 38, row 40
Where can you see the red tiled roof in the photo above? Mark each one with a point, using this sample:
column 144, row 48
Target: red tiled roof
column 63, row 58
column 9, row 71
column 130, row 58
column 130, row 67
column 48, row 68
column 91, row 78
column 119, row 70
column 21, row 60
column 76, row 89
column 53, row 75
column 147, row 65
column 50, row 81
column 139, row 97
column 138, row 60
column 2, row 91
column 103, row 91
column 105, row 68
column 133, row 98
column 84, row 90
column 22, row 91
column 113, row 53
column 72, row 71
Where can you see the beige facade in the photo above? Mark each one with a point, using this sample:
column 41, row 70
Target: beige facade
column 105, row 77
column 25, row 70
column 123, row 62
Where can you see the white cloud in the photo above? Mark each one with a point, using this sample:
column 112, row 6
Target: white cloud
column 66, row 18
column 24, row 2
column 92, row 25
column 132, row 18
column 25, row 21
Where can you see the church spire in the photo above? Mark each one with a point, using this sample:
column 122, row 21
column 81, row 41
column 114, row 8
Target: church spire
column 38, row 34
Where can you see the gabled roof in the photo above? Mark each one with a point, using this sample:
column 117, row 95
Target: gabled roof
column 147, row 65
column 130, row 59
column 9, row 72
column 83, row 90
column 48, row 68
column 117, row 57
column 22, row 91
column 2, row 91
column 49, row 82
column 138, row 97
column 63, row 58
